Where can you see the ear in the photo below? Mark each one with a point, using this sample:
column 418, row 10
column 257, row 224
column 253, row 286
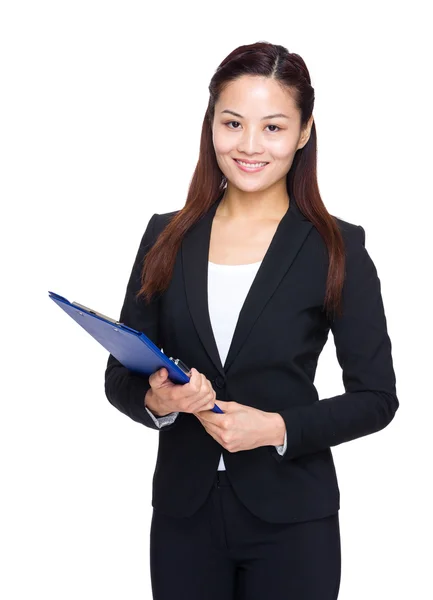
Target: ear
column 306, row 132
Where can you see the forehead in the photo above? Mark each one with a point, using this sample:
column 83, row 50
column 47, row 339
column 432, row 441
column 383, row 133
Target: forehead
column 256, row 94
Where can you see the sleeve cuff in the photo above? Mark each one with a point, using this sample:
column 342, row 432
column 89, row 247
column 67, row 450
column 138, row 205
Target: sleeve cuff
column 282, row 449
column 161, row 421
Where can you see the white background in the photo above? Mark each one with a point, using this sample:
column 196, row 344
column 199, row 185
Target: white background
column 101, row 111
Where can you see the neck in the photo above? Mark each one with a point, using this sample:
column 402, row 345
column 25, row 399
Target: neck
column 237, row 204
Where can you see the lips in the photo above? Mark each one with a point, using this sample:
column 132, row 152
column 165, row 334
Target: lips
column 250, row 162
column 250, row 167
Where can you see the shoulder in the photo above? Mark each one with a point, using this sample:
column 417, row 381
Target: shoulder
column 353, row 238
column 352, row 234
column 161, row 220
column 157, row 224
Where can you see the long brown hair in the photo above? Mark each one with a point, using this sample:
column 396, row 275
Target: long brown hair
column 208, row 181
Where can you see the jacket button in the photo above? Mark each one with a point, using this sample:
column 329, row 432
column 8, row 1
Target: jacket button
column 219, row 381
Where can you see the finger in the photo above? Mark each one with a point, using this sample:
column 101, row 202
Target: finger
column 230, row 406
column 203, row 404
column 215, row 418
column 194, row 381
column 203, row 383
column 189, row 390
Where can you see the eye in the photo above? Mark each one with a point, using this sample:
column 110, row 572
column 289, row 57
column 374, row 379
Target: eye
column 229, row 122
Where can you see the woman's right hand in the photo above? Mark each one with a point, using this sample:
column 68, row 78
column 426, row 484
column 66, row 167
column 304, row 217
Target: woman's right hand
column 192, row 397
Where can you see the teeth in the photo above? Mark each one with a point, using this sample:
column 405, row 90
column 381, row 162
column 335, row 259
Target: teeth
column 251, row 166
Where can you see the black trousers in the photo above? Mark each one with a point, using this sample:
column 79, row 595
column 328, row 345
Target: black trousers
column 224, row 552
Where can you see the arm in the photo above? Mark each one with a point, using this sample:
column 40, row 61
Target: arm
column 125, row 389
column 363, row 351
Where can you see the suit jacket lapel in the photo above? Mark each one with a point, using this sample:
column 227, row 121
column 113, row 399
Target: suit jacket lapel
column 286, row 243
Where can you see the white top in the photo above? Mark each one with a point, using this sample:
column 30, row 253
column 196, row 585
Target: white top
column 224, row 309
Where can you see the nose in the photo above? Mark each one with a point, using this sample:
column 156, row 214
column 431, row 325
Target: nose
column 250, row 142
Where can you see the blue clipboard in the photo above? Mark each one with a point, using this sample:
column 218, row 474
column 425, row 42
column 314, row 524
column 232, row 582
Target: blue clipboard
column 132, row 348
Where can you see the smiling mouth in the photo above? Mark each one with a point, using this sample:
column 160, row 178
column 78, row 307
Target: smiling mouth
column 252, row 167
column 250, row 164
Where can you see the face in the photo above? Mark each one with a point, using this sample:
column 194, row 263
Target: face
column 242, row 129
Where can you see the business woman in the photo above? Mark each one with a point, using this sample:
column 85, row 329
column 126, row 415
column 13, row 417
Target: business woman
column 244, row 284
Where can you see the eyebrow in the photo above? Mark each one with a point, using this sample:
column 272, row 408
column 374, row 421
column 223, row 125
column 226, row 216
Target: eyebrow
column 232, row 112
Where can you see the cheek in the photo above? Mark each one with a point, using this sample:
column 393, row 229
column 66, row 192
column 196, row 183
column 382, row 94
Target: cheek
column 222, row 144
column 282, row 150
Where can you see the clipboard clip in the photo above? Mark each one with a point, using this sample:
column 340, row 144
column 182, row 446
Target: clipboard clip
column 98, row 314
column 181, row 365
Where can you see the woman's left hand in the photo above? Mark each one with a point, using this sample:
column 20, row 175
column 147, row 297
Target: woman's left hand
column 241, row 427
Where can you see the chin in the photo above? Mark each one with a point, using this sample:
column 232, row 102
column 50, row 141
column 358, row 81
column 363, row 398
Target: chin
column 252, row 187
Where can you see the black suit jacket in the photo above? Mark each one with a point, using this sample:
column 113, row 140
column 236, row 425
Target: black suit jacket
column 270, row 365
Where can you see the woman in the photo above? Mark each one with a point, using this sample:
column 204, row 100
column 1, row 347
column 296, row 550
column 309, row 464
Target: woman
column 245, row 282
